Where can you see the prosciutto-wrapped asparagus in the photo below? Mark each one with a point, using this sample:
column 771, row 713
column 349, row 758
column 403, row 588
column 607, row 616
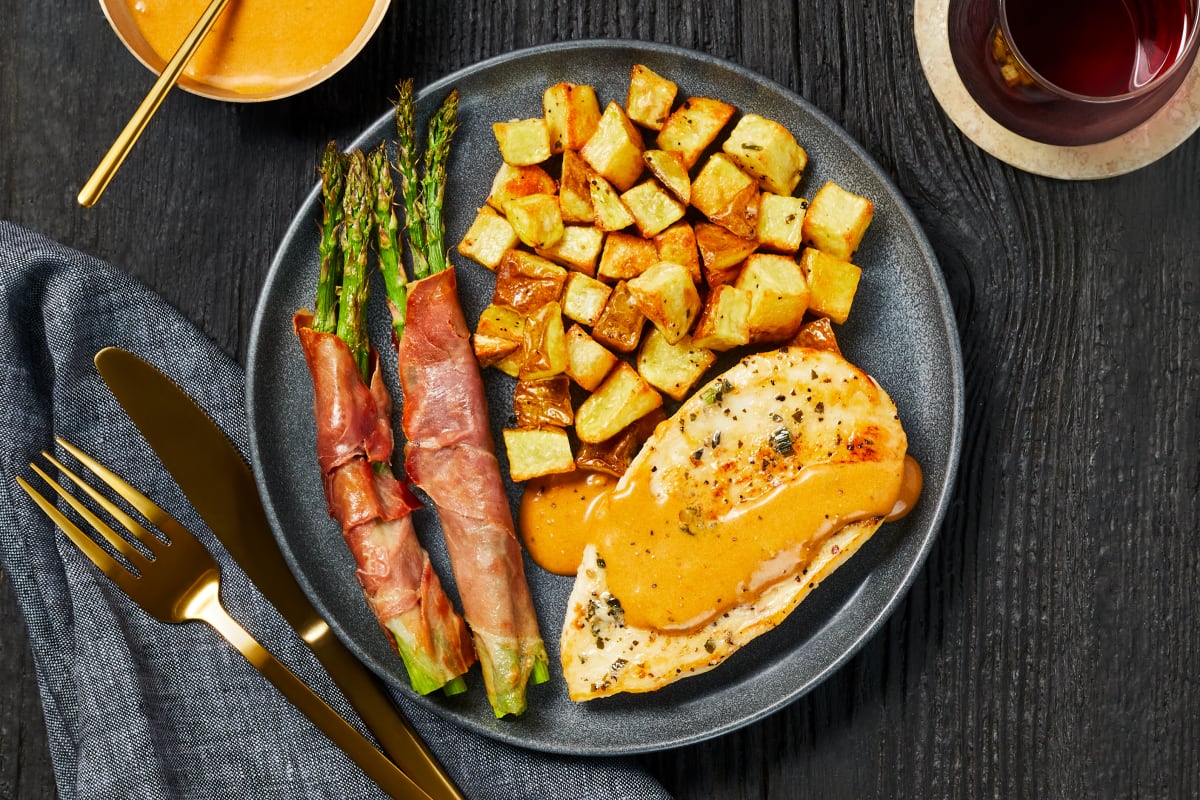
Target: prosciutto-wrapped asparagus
column 353, row 410
column 449, row 452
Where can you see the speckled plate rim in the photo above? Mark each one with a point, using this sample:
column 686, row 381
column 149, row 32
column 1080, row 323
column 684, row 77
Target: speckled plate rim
column 1170, row 126
column 924, row 360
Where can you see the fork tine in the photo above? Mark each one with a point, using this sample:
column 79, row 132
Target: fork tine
column 119, row 542
column 116, row 571
column 170, row 527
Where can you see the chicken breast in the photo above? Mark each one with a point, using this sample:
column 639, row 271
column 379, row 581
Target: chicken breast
column 761, row 484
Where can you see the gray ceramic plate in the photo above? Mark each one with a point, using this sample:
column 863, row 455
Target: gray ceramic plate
column 902, row 331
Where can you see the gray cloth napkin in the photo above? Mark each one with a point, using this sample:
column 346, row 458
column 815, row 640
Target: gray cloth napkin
column 134, row 707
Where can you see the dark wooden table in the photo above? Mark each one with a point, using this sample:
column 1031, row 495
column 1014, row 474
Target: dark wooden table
column 1050, row 646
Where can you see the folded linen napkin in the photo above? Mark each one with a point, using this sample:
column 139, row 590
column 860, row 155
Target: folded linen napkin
column 134, row 707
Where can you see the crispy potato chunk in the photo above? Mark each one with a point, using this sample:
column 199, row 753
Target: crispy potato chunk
column 693, row 126
column 488, row 239
column 836, row 221
column 536, row 219
column 620, row 324
column 614, row 455
column 574, row 192
column 545, row 344
column 778, row 296
column 623, row 398
column 523, row 141
column 727, row 195
column 653, row 208
column 525, row 281
column 768, row 151
column 501, row 322
column 721, row 253
column 578, row 249
column 832, row 283
column 724, row 322
column 678, row 244
column 572, row 113
column 491, row 350
column 668, row 167
column 513, row 182
column 584, row 297
column 672, row 367
column 780, row 220
column 666, row 295
column 615, row 149
column 626, row 256
column 609, row 210
column 533, row 452
column 650, row 97
column 543, row 402
column 588, row 361
column 817, row 335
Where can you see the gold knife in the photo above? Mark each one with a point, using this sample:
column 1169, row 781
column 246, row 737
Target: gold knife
column 217, row 481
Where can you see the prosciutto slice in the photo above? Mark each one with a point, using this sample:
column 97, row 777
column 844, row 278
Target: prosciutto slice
column 450, row 456
column 354, row 448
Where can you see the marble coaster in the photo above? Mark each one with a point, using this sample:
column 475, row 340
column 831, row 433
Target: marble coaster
column 1170, row 126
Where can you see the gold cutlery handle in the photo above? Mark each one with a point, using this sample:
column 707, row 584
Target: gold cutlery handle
column 116, row 154
column 352, row 743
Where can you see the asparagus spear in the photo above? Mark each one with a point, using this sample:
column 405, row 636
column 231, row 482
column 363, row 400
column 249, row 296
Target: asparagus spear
column 356, row 206
column 333, row 181
column 410, row 186
column 388, row 243
column 433, row 185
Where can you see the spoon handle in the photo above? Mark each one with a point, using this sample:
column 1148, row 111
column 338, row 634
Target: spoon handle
column 116, row 154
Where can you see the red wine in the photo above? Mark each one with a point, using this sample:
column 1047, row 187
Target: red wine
column 1100, row 48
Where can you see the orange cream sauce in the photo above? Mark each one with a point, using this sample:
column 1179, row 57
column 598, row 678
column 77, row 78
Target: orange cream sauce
column 256, row 45
column 675, row 570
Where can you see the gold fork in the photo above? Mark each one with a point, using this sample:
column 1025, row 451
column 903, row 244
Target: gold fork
column 179, row 581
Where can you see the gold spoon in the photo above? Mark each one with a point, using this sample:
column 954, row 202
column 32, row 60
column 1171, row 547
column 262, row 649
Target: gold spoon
column 116, row 154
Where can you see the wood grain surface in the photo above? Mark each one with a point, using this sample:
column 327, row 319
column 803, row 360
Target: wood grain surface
column 1050, row 646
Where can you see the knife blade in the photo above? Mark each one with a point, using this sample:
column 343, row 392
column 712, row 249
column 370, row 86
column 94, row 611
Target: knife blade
column 218, row 483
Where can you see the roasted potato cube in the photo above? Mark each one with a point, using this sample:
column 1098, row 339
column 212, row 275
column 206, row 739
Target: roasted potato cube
column 572, row 113
column 817, row 335
column 533, row 452
column 545, row 344
column 488, row 239
column 779, row 222
column 653, row 208
column 615, row 149
column 574, row 191
column 525, row 281
column 836, row 221
column 544, row 402
column 672, row 367
column 768, row 151
column 692, row 127
column 727, row 195
column 725, row 321
column 578, row 249
column 536, row 219
column 490, row 350
column 583, row 298
column 523, row 141
column 608, row 209
column 512, row 182
column 623, row 398
column 832, row 283
column 666, row 295
column 721, row 253
column 778, row 296
column 621, row 322
column 678, row 244
column 650, row 97
column 588, row 361
column 667, row 166
column 626, row 256
column 505, row 323
column 614, row 455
